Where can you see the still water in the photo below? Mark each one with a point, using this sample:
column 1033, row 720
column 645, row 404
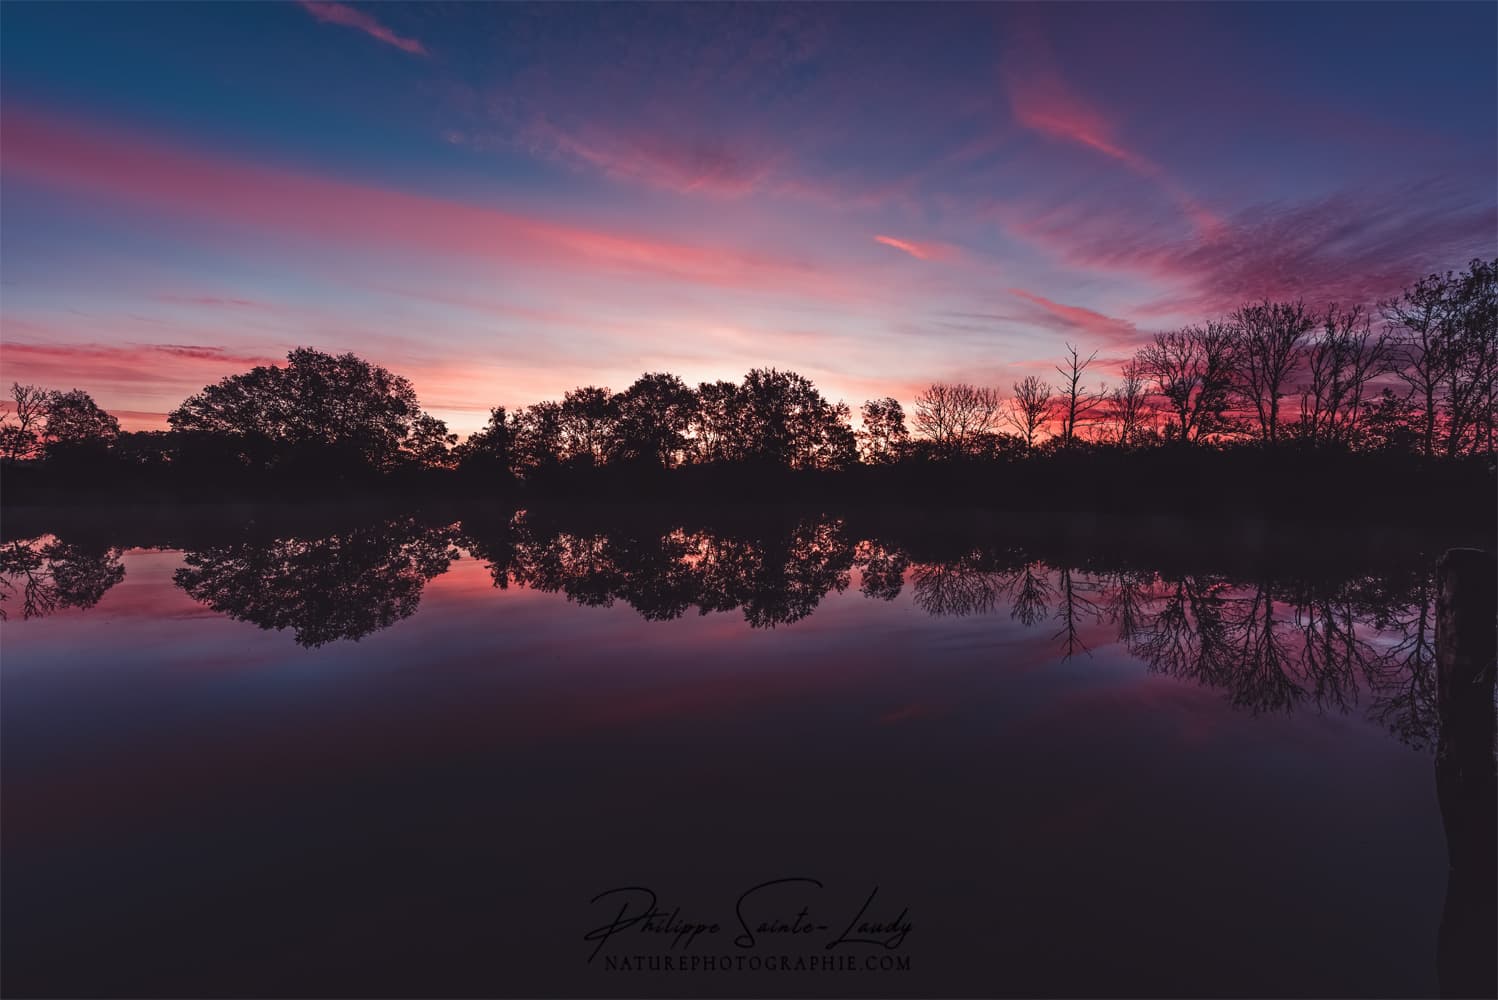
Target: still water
column 402, row 755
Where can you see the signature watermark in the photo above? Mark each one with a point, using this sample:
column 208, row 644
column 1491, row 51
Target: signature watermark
column 786, row 914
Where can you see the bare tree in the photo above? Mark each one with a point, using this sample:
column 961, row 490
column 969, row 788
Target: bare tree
column 1192, row 368
column 1269, row 336
column 1126, row 407
column 1340, row 364
column 1435, row 335
column 1471, row 380
column 951, row 414
column 20, row 438
column 1076, row 401
column 1031, row 407
column 1423, row 333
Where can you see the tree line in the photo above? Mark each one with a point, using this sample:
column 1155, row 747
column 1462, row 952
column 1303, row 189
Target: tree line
column 1421, row 380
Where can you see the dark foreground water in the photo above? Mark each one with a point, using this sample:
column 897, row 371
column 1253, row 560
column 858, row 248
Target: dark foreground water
column 403, row 755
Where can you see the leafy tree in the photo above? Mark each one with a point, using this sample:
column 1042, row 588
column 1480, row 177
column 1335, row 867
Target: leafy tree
column 884, row 435
column 337, row 407
column 537, row 438
column 74, row 420
column 489, row 452
column 784, row 420
column 653, row 416
column 716, row 428
column 429, row 443
column 589, row 418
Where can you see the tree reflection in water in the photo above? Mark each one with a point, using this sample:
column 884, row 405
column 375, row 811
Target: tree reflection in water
column 1272, row 643
column 773, row 577
column 344, row 585
column 46, row 575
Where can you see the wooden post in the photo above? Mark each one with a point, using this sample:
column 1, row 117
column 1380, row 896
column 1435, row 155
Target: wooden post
column 1466, row 773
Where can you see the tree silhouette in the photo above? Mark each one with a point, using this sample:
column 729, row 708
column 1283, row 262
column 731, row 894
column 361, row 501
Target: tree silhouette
column 589, row 417
column 952, row 415
column 1446, row 330
column 429, row 443
column 1030, row 408
column 75, row 420
column 1125, row 410
column 1269, row 337
column 320, row 408
column 21, row 428
column 785, row 421
column 1340, row 365
column 536, row 442
column 1077, row 402
column 884, row 436
column 653, row 416
column 715, row 431
column 489, row 453
column 1192, row 369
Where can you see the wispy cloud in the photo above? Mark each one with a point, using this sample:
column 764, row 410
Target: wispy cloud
column 1356, row 246
column 138, row 169
column 703, row 166
column 1041, row 100
column 351, row 17
column 1115, row 331
column 921, row 251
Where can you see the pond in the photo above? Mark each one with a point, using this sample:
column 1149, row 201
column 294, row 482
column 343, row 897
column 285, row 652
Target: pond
column 412, row 754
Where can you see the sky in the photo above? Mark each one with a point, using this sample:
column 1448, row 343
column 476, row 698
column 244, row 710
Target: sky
column 504, row 201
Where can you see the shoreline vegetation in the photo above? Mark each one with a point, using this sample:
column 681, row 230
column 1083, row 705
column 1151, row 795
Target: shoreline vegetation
column 1313, row 542
column 1278, row 410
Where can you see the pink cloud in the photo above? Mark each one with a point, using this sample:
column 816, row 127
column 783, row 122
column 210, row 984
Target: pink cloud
column 1115, row 331
column 113, row 366
column 73, row 157
column 1354, row 247
column 920, row 251
column 702, row 167
column 349, row 17
column 216, row 301
column 1042, row 101
column 138, row 383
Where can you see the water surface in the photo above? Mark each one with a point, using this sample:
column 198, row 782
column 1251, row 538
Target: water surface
column 399, row 755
